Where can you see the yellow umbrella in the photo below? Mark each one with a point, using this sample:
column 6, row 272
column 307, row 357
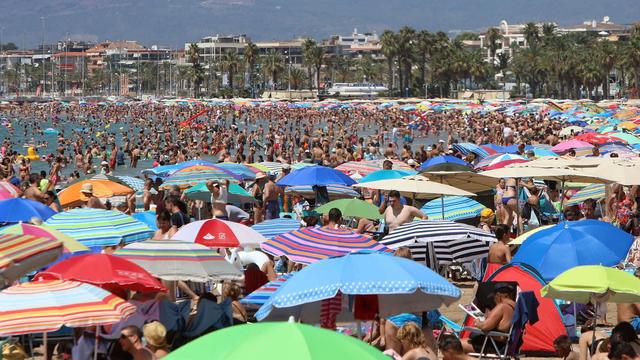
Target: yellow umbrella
column 72, row 196
column 522, row 238
column 628, row 125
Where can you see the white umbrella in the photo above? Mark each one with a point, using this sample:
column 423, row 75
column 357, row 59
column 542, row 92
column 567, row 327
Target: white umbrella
column 415, row 186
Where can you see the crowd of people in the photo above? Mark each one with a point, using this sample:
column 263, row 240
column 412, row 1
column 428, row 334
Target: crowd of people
column 121, row 139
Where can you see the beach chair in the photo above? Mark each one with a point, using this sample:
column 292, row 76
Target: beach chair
column 449, row 327
column 525, row 312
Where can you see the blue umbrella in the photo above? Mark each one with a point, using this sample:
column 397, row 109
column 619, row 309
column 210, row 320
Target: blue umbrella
column 403, row 286
column 275, row 227
column 386, row 175
column 17, row 210
column 453, row 207
column 445, row 163
column 239, row 169
column 147, row 217
column 569, row 244
column 316, row 175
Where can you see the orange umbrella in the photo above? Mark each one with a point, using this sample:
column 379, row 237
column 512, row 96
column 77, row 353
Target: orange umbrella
column 72, row 195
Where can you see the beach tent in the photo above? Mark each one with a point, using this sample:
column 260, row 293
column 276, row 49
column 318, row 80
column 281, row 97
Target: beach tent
column 538, row 338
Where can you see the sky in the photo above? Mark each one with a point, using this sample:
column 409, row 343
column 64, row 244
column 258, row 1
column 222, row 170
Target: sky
column 174, row 22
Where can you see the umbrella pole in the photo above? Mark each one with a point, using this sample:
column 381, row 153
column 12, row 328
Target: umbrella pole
column 562, row 200
column 442, row 205
column 95, row 343
column 595, row 324
column 44, row 344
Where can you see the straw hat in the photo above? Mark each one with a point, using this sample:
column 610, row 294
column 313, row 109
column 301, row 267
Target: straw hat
column 87, row 188
column 260, row 175
column 155, row 333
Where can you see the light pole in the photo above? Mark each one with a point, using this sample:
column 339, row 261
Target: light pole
column 289, row 72
column 1, row 64
column 44, row 74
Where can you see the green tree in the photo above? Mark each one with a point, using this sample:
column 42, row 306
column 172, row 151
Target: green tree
column 297, row 78
column 308, row 49
column 389, row 48
column 230, row 64
column 196, row 74
column 273, row 64
column 531, row 34
column 493, row 36
column 251, row 53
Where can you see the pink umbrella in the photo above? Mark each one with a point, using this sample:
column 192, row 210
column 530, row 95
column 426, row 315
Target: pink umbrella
column 570, row 144
column 8, row 190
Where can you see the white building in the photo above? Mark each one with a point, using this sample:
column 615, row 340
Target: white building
column 512, row 37
column 213, row 47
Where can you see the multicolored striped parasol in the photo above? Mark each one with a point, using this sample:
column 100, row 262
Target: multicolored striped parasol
column 275, row 227
column 593, row 191
column 96, row 228
column 366, row 167
column 335, row 191
column 192, row 175
column 179, row 260
column 8, row 190
column 311, row 244
column 455, row 208
column 45, row 306
column 20, row 254
column 70, row 244
column 260, row 296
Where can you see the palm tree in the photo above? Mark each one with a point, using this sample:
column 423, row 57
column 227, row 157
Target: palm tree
column 503, row 64
column 230, row 63
column 296, row 78
column 406, row 38
column 251, row 52
column 196, row 73
column 365, row 68
column 342, row 66
column 607, row 57
column 493, row 36
column 424, row 47
column 631, row 59
column 317, row 58
column 273, row 64
column 388, row 42
column 308, row 48
column 548, row 31
column 531, row 34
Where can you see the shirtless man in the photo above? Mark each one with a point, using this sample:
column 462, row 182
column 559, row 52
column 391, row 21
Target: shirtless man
column 397, row 214
column 497, row 319
column 270, row 199
column 499, row 252
column 33, row 191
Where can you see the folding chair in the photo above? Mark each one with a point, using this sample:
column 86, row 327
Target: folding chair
column 448, row 327
column 525, row 302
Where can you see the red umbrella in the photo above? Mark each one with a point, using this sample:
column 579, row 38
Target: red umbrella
column 596, row 139
column 502, row 164
column 106, row 271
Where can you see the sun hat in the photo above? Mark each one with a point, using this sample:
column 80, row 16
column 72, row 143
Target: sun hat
column 260, row 175
column 486, row 213
column 87, row 188
column 155, row 333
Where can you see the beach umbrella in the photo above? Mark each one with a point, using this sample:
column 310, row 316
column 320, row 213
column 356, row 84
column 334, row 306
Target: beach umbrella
column 594, row 283
column 455, row 208
column 571, row 130
column 366, row 167
column 403, row 286
column 559, row 173
column 46, row 306
column 166, row 170
column 310, row 244
column 352, row 208
column 8, row 190
column 275, row 227
column 418, row 187
column 264, row 293
column 498, row 158
column 504, row 163
column 466, row 148
column 69, row 244
column 621, row 150
column 629, row 138
column 97, row 228
column 242, row 170
column 445, row 163
column 192, row 175
column 334, row 191
column 23, row 210
column 523, row 237
column 595, row 138
column 135, row 183
column 106, row 271
column 622, row 171
column 540, row 152
column 450, row 241
column 21, row 254
column 148, row 218
column 386, row 175
column 175, row 260
column 593, row 191
column 569, row 244
column 464, row 180
column 71, row 195
column 236, row 194
column 316, row 175
column 219, row 233
column 276, row 341
column 570, row 144
column 271, row 167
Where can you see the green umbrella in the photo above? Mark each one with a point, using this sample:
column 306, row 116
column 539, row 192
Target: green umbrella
column 277, row 340
column 593, row 282
column 237, row 194
column 352, row 208
column 629, row 138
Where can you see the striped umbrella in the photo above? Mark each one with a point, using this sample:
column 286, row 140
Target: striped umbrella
column 192, row 175
column 135, row 183
column 366, row 167
column 179, row 260
column 274, row 227
column 335, row 191
column 70, row 244
column 242, row 170
column 451, row 241
column 593, row 191
column 453, row 207
column 311, row 244
column 264, row 293
column 270, row 166
column 97, row 228
column 219, row 233
column 466, row 148
column 8, row 190
column 21, row 254
column 498, row 158
column 45, row 306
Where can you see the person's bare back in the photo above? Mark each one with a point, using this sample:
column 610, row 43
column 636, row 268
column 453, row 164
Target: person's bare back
column 499, row 253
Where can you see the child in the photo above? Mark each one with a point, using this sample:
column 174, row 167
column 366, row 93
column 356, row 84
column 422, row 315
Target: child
column 562, row 344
